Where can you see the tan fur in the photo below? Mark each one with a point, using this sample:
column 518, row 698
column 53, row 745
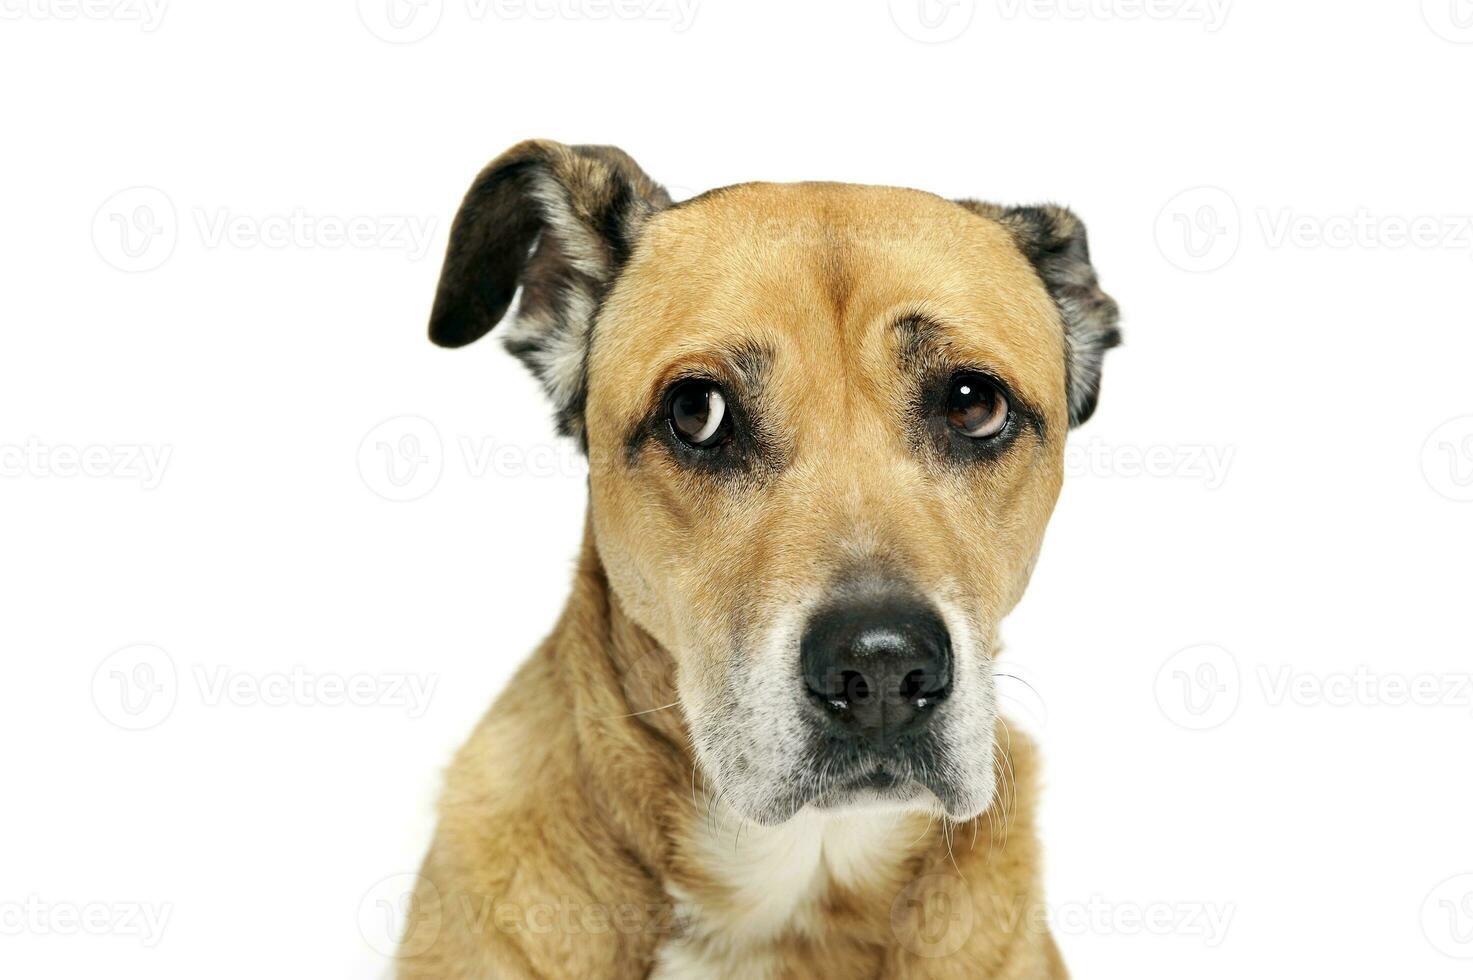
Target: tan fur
column 577, row 830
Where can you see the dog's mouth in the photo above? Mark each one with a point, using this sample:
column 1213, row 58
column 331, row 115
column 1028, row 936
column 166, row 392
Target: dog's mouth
column 875, row 779
column 921, row 775
column 869, row 782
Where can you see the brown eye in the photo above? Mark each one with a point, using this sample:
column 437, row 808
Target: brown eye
column 976, row 406
column 698, row 413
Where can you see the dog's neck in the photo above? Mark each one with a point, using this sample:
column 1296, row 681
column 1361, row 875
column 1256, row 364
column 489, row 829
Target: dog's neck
column 632, row 740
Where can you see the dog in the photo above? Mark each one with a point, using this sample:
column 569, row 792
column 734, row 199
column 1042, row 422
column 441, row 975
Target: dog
column 824, row 426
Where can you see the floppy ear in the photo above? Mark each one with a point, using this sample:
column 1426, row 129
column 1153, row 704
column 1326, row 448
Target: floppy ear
column 1054, row 240
column 558, row 222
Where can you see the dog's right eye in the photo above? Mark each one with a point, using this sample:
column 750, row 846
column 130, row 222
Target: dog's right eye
column 697, row 411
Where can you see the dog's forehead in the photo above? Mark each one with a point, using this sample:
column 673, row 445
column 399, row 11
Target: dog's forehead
column 818, row 270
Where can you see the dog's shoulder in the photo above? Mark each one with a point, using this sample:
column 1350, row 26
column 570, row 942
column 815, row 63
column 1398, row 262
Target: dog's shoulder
column 523, row 879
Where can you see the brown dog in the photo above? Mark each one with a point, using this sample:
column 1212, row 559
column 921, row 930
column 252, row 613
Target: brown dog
column 825, row 429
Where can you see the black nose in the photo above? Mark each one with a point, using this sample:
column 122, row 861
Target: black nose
column 877, row 667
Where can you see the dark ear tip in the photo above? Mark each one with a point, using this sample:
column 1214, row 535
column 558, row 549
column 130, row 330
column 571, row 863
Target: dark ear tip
column 456, row 329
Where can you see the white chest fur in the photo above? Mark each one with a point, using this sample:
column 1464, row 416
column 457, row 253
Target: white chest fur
column 760, row 884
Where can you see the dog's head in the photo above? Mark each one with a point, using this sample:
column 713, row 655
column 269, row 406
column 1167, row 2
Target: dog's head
column 825, row 429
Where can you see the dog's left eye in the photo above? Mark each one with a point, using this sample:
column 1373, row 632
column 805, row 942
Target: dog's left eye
column 698, row 414
column 976, row 406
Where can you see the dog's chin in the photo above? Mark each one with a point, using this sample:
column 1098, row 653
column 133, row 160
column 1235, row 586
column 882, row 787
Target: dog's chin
column 877, row 789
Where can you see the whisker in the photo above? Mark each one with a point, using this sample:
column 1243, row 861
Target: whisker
column 930, row 819
column 1010, row 779
column 948, row 829
column 1037, row 710
column 636, row 714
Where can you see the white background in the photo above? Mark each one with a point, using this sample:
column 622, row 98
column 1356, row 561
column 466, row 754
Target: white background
column 1277, row 481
